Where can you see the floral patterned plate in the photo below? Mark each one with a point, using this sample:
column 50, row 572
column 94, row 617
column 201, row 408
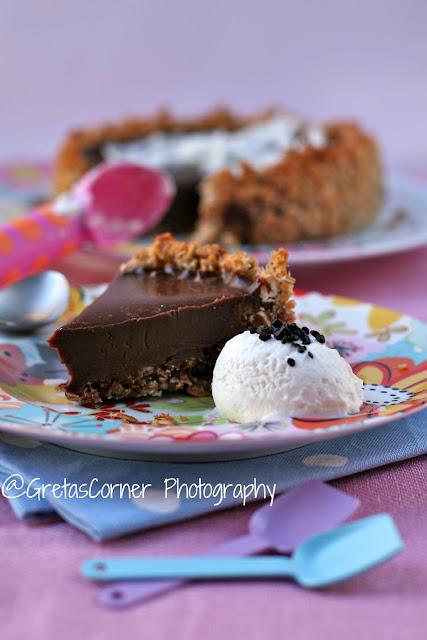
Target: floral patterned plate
column 387, row 350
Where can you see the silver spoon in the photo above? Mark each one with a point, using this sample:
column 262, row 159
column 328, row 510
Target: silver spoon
column 34, row 302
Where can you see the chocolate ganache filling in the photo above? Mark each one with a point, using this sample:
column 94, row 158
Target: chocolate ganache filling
column 152, row 321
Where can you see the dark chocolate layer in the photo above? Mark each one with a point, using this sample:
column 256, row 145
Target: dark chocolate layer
column 149, row 320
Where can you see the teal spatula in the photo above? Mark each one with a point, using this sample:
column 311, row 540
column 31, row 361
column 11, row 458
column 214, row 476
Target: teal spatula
column 321, row 561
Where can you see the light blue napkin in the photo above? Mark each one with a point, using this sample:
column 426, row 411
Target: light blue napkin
column 35, row 464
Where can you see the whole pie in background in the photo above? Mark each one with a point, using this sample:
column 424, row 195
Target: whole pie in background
column 269, row 178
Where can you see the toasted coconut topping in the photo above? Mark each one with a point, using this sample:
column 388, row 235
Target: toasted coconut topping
column 275, row 282
column 166, row 252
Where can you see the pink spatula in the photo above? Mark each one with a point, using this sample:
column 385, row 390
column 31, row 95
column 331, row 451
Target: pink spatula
column 110, row 204
column 122, row 200
column 295, row 516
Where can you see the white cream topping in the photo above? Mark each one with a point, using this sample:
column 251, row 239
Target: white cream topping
column 260, row 145
column 253, row 379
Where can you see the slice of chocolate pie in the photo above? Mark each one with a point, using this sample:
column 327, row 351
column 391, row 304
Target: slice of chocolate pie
column 163, row 320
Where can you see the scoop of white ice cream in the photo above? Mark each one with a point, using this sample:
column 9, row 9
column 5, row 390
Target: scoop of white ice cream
column 253, row 379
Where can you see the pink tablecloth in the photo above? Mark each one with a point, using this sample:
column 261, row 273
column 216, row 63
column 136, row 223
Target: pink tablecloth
column 43, row 597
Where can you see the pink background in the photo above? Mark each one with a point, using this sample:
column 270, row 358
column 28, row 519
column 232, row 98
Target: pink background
column 64, row 64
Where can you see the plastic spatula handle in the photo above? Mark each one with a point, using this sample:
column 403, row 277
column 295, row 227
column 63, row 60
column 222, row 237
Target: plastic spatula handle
column 196, row 568
column 126, row 593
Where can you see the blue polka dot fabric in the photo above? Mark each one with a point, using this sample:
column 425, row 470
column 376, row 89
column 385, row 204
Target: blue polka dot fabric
column 40, row 479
